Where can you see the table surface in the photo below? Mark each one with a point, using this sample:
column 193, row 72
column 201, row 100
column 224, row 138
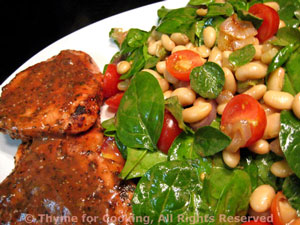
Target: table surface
column 28, row 26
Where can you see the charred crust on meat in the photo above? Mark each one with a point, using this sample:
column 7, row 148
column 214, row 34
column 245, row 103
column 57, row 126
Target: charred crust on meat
column 80, row 110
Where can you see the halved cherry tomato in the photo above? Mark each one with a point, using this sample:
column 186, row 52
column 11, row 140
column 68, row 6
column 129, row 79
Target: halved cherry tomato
column 244, row 108
column 270, row 23
column 275, row 210
column 181, row 63
column 114, row 101
column 169, row 132
column 110, row 81
column 256, row 223
column 109, row 150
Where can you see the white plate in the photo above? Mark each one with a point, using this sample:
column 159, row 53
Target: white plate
column 93, row 40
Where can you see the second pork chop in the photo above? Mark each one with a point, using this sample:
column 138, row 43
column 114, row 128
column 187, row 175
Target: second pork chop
column 58, row 96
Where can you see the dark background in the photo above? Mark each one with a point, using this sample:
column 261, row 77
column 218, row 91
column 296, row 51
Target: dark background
column 28, row 26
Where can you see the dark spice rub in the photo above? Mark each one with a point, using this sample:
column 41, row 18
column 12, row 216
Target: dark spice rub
column 71, row 177
column 58, row 96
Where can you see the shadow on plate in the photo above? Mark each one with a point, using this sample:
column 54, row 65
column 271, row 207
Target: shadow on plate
column 9, row 145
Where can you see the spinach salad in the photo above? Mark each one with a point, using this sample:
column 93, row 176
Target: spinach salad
column 207, row 113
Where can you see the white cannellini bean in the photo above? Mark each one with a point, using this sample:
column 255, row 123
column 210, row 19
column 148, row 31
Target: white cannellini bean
column 275, row 147
column 203, row 51
column 296, row 105
column 261, row 198
column 266, row 47
column 276, row 79
column 153, row 72
column 123, row 85
column 167, row 94
column 267, row 56
column 186, row 96
column 201, row 12
column 281, row 169
column 167, row 43
column 287, row 212
column 178, row 48
column 209, row 36
column 170, row 78
column 268, row 109
column 225, row 60
column 257, row 91
column 258, row 52
column 215, row 56
column 281, row 24
column 251, row 71
column 123, row 67
column 231, row 159
column 273, row 5
column 179, row 38
column 196, row 113
column 260, row 147
column 230, row 82
column 220, row 108
column 154, row 46
column 161, row 67
column 279, row 99
column 273, row 126
column 163, row 83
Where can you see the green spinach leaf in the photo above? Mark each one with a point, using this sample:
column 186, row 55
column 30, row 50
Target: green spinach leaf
column 293, row 70
column 141, row 112
column 209, row 141
column 180, row 20
column 243, row 86
column 182, row 149
column 286, row 12
column 246, row 16
column 175, row 188
column 238, row 4
column 173, row 106
column 286, row 36
column 200, row 2
column 109, row 126
column 216, row 123
column 219, row 9
column 139, row 162
column 138, row 62
column 280, row 58
column 208, row 80
column 258, row 168
column 168, row 188
column 291, row 189
column 288, row 86
column 122, row 148
column 290, row 139
column 242, row 56
column 210, row 21
column 227, row 192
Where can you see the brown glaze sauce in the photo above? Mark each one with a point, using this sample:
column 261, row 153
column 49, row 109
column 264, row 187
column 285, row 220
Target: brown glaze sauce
column 66, row 178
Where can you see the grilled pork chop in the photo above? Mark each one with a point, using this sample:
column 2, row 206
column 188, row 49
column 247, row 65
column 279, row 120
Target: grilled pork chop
column 63, row 178
column 60, row 95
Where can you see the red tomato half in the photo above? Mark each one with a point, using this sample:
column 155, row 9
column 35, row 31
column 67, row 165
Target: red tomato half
column 275, row 210
column 110, row 81
column 256, row 223
column 181, row 63
column 270, row 23
column 114, row 101
column 245, row 108
column 169, row 132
